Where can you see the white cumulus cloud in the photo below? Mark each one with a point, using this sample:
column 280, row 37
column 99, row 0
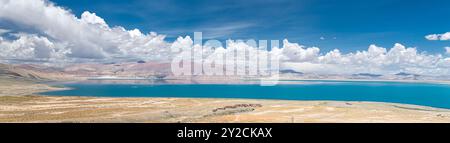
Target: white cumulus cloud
column 434, row 37
column 30, row 47
column 87, row 37
column 375, row 60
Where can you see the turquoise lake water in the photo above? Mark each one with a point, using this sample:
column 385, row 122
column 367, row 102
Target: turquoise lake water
column 433, row 95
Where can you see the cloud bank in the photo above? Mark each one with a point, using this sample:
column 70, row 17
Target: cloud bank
column 375, row 59
column 58, row 36
column 86, row 37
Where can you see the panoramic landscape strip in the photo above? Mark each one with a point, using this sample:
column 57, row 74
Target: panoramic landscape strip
column 223, row 62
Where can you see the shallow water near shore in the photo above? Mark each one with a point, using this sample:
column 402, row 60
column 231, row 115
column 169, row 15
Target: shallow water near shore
column 424, row 94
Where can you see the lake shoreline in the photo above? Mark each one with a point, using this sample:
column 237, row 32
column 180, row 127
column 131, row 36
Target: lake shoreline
column 29, row 107
column 346, row 91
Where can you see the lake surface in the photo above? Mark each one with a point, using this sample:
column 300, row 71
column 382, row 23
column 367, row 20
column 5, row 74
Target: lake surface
column 433, row 95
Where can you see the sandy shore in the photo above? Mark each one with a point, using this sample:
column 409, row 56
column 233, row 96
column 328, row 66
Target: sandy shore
column 18, row 103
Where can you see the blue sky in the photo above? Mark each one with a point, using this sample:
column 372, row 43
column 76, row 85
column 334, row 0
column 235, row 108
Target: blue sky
column 348, row 25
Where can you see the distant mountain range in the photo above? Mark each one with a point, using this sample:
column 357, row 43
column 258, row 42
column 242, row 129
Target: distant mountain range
column 288, row 71
column 368, row 75
column 30, row 72
column 156, row 70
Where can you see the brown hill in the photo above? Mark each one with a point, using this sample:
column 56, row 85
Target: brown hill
column 10, row 71
column 32, row 72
